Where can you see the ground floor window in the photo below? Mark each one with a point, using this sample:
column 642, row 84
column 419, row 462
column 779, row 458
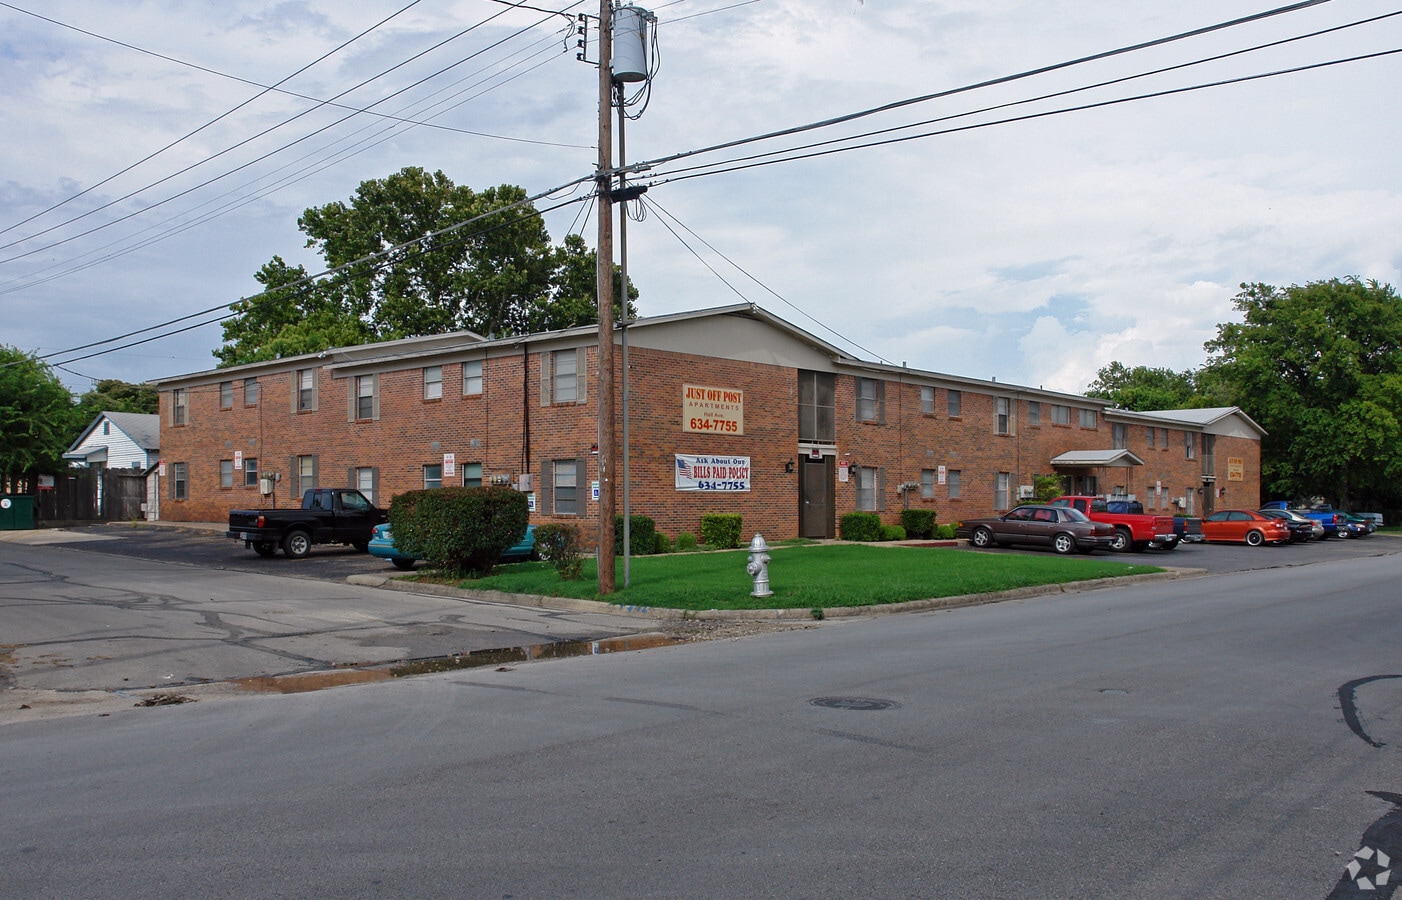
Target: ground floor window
column 1002, row 484
column 472, row 475
column 927, row 483
column 433, row 476
column 180, row 481
column 226, row 474
column 365, row 482
column 565, row 487
column 250, row 473
column 953, row 477
column 869, row 488
column 306, row 474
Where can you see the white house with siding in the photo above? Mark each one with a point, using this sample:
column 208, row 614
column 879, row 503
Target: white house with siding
column 118, row 440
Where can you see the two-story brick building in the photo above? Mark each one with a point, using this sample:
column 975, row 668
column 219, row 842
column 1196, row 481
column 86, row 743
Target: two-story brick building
column 730, row 410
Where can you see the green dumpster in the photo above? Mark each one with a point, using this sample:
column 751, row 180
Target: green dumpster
column 16, row 512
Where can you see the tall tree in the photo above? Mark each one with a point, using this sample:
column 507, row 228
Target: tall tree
column 497, row 274
column 115, row 395
column 1319, row 366
column 36, row 414
column 1144, row 388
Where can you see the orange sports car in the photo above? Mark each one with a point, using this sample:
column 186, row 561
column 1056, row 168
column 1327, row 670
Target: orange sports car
column 1244, row 525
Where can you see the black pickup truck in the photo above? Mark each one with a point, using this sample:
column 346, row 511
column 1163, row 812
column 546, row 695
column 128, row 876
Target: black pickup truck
column 327, row 516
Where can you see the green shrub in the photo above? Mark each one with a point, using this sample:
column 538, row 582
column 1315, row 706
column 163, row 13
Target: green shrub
column 461, row 530
column 559, row 545
column 945, row 532
column 686, row 542
column 918, row 523
column 720, row 530
column 661, row 543
column 892, row 533
column 860, row 526
column 640, row 535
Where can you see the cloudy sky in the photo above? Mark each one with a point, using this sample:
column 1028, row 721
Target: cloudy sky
column 1033, row 251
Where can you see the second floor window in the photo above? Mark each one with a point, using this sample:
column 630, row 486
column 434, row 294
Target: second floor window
column 1190, row 445
column 472, row 378
column 180, row 406
column 433, row 383
column 250, row 392
column 226, row 395
column 927, row 400
column 956, row 403
column 365, row 397
column 306, row 390
column 1002, row 415
column 1034, row 412
column 1118, row 435
column 1061, row 415
column 1088, row 418
column 870, row 400
column 817, row 407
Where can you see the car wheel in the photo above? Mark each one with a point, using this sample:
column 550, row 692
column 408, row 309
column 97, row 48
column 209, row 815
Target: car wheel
column 361, row 546
column 297, row 544
column 1064, row 543
column 982, row 538
column 265, row 549
column 1121, row 541
column 405, row 564
column 1254, row 538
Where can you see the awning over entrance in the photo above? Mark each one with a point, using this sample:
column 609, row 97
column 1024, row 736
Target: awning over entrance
column 90, row 457
column 1106, row 458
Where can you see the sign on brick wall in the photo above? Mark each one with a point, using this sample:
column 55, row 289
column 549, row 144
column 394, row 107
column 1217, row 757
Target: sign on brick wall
column 712, row 410
column 712, row 473
column 1236, row 468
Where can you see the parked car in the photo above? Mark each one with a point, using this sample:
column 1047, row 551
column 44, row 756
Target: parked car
column 1356, row 526
column 1324, row 514
column 1302, row 528
column 1244, row 525
column 327, row 516
column 1133, row 530
column 1375, row 518
column 382, row 545
column 1061, row 528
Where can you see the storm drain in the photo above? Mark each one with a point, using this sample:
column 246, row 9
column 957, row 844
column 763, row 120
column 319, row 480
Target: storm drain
column 862, row 704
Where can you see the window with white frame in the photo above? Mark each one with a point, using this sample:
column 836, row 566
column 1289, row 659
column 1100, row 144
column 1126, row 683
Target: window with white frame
column 1061, row 415
column 250, row 472
column 953, row 477
column 955, row 401
column 180, row 406
column 1034, row 412
column 927, row 484
column 250, row 392
column 226, row 395
column 817, row 407
column 927, row 400
column 869, row 397
column 226, row 474
column 1002, row 490
column 433, row 476
column 306, row 474
column 366, row 480
column 180, row 481
column 433, row 382
column 868, row 482
column 306, row 390
column 472, row 474
column 364, row 397
column 1002, row 415
column 1190, row 445
column 472, row 378
column 565, row 384
column 1088, row 418
column 565, row 487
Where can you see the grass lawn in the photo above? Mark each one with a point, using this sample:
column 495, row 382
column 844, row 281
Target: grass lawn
column 805, row 577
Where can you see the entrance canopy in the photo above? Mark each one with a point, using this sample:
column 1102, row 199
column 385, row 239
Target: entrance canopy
column 1123, row 459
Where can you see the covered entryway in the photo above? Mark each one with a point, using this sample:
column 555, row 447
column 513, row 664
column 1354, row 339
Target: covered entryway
column 815, row 492
column 1097, row 472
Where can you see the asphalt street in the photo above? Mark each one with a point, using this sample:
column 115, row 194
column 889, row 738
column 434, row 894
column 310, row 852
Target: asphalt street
column 1205, row 737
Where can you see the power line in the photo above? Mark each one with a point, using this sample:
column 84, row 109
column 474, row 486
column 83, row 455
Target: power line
column 255, row 137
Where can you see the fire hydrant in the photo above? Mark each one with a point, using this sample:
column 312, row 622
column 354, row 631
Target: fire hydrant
column 758, row 567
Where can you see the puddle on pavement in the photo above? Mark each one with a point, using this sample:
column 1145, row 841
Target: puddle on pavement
column 316, row 681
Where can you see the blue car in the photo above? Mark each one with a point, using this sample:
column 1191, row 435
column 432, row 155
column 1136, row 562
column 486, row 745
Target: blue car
column 382, row 545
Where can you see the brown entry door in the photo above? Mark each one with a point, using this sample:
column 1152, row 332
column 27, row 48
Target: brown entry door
column 815, row 497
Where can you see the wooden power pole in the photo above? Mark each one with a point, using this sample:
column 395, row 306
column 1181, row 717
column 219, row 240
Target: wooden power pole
column 605, row 291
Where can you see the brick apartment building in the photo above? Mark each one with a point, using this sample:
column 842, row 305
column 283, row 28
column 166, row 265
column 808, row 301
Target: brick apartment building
column 730, row 410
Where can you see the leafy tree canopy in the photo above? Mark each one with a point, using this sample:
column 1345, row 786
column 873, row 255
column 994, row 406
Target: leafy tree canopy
column 115, row 395
column 497, row 275
column 1143, row 388
column 1319, row 366
column 36, row 412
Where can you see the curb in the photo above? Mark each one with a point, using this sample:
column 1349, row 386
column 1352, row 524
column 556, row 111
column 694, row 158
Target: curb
column 570, row 604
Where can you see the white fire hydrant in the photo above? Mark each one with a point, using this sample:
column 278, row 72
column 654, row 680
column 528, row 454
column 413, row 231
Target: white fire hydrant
column 758, row 567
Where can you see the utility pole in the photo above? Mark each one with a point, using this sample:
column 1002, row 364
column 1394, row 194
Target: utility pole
column 604, row 254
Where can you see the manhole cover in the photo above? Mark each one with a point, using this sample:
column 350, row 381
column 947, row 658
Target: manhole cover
column 1115, row 691
column 858, row 703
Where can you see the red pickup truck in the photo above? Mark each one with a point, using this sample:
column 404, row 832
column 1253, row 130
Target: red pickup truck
column 1133, row 531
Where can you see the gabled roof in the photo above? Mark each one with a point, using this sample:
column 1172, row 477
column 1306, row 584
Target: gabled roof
column 1195, row 418
column 1107, row 458
column 144, row 429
